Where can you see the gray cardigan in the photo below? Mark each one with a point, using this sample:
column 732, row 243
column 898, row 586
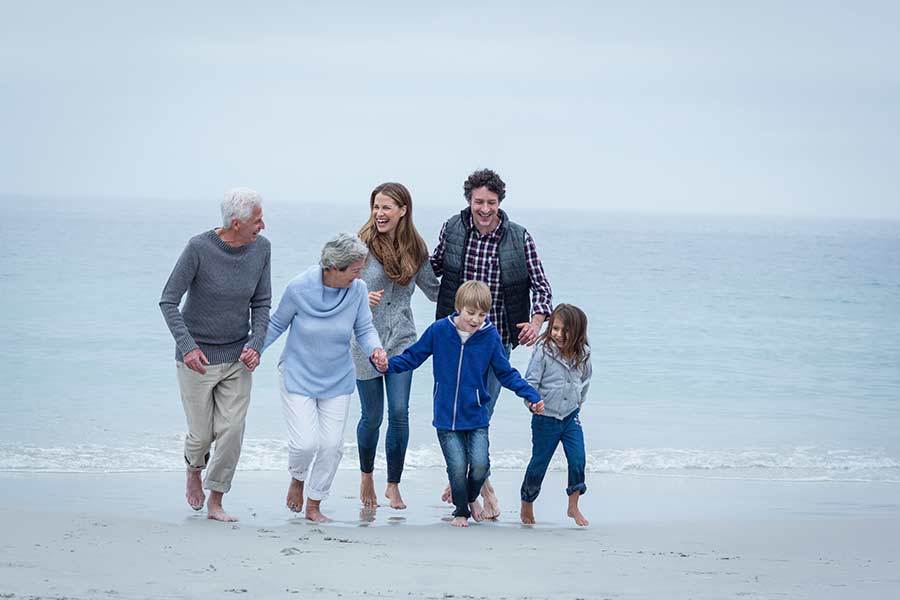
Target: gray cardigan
column 562, row 388
column 393, row 315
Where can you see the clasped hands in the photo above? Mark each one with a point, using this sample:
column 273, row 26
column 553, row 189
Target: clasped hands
column 379, row 359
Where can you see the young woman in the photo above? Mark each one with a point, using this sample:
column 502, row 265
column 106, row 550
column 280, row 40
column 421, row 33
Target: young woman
column 397, row 263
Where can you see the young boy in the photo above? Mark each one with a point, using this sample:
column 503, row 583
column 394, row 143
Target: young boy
column 464, row 346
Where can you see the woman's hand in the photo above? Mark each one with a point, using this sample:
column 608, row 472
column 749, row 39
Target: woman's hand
column 537, row 408
column 379, row 359
column 250, row 358
column 375, row 298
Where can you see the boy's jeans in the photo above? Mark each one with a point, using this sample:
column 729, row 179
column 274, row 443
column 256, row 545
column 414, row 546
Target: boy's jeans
column 466, row 454
column 546, row 434
column 371, row 401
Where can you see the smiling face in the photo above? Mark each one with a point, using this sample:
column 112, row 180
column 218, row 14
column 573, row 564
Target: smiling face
column 245, row 232
column 387, row 214
column 485, row 204
column 335, row 278
column 470, row 319
column 558, row 332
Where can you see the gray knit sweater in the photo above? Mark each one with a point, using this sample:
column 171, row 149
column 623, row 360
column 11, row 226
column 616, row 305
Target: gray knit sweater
column 393, row 315
column 229, row 292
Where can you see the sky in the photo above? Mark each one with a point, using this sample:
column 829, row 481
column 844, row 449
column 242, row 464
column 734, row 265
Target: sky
column 784, row 108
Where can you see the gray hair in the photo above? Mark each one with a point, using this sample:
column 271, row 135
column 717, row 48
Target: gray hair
column 341, row 251
column 238, row 204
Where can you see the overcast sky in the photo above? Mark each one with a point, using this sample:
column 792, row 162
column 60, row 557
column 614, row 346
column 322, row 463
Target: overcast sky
column 717, row 107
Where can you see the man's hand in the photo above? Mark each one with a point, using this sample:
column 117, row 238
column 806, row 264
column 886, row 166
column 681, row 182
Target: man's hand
column 528, row 333
column 250, row 358
column 375, row 298
column 537, row 408
column 379, row 358
column 195, row 359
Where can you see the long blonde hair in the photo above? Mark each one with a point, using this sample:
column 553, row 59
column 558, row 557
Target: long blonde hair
column 403, row 257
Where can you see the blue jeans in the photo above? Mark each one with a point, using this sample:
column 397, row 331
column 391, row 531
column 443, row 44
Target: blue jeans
column 493, row 385
column 466, row 454
column 546, row 434
column 371, row 401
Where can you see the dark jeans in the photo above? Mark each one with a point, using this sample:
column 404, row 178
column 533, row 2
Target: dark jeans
column 493, row 387
column 466, row 454
column 546, row 434
column 371, row 401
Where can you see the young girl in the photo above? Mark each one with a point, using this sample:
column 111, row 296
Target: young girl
column 560, row 370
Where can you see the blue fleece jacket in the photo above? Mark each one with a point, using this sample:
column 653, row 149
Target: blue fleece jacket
column 316, row 358
column 460, row 372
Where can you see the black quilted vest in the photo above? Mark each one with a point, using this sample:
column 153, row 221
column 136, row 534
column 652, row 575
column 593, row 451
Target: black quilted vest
column 513, row 269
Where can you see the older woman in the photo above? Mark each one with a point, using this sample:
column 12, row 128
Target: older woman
column 323, row 307
column 397, row 263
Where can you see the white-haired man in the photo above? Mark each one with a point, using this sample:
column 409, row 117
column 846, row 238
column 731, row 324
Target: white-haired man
column 218, row 336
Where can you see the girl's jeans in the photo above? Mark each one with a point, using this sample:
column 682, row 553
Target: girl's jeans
column 546, row 434
column 371, row 401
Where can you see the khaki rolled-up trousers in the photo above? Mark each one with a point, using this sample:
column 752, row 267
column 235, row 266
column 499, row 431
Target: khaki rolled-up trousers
column 215, row 406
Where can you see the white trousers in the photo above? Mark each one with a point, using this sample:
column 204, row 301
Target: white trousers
column 315, row 438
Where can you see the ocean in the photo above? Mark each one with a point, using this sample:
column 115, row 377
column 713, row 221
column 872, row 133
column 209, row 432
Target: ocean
column 734, row 347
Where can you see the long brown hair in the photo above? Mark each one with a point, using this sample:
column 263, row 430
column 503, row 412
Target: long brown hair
column 403, row 257
column 576, row 347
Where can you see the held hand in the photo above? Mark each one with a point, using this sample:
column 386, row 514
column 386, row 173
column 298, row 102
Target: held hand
column 538, row 407
column 375, row 298
column 379, row 358
column 250, row 358
column 195, row 359
column 528, row 333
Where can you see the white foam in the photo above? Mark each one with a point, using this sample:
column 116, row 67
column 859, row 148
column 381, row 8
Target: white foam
column 803, row 463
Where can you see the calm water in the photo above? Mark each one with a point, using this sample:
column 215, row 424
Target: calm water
column 723, row 346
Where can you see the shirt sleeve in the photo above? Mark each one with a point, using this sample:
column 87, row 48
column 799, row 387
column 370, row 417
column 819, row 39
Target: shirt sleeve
column 586, row 380
column 281, row 318
column 178, row 283
column 427, row 281
column 541, row 294
column 508, row 376
column 415, row 355
column 260, row 305
column 437, row 257
column 364, row 325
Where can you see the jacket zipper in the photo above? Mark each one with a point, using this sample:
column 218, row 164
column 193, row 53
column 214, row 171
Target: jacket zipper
column 462, row 348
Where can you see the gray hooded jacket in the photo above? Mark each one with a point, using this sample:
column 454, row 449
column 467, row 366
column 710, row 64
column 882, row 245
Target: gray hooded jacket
column 562, row 388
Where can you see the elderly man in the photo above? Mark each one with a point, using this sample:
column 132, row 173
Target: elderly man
column 482, row 243
column 226, row 275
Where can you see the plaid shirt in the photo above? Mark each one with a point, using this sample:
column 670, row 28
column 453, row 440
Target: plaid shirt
column 482, row 262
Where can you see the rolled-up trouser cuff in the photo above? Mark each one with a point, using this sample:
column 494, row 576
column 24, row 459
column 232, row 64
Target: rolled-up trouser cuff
column 580, row 488
column 217, row 486
column 318, row 495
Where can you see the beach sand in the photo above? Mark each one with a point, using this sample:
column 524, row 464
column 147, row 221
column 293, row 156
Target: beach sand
column 79, row 536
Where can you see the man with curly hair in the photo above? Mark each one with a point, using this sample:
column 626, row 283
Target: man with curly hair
column 483, row 244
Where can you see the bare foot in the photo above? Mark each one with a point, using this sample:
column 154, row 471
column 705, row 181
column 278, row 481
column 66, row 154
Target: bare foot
column 460, row 522
column 194, row 490
column 491, row 504
column 574, row 512
column 367, row 494
column 447, row 496
column 392, row 493
column 313, row 513
column 526, row 513
column 294, row 498
column 214, row 509
column 476, row 510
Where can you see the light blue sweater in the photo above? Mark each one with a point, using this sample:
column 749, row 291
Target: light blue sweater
column 316, row 360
